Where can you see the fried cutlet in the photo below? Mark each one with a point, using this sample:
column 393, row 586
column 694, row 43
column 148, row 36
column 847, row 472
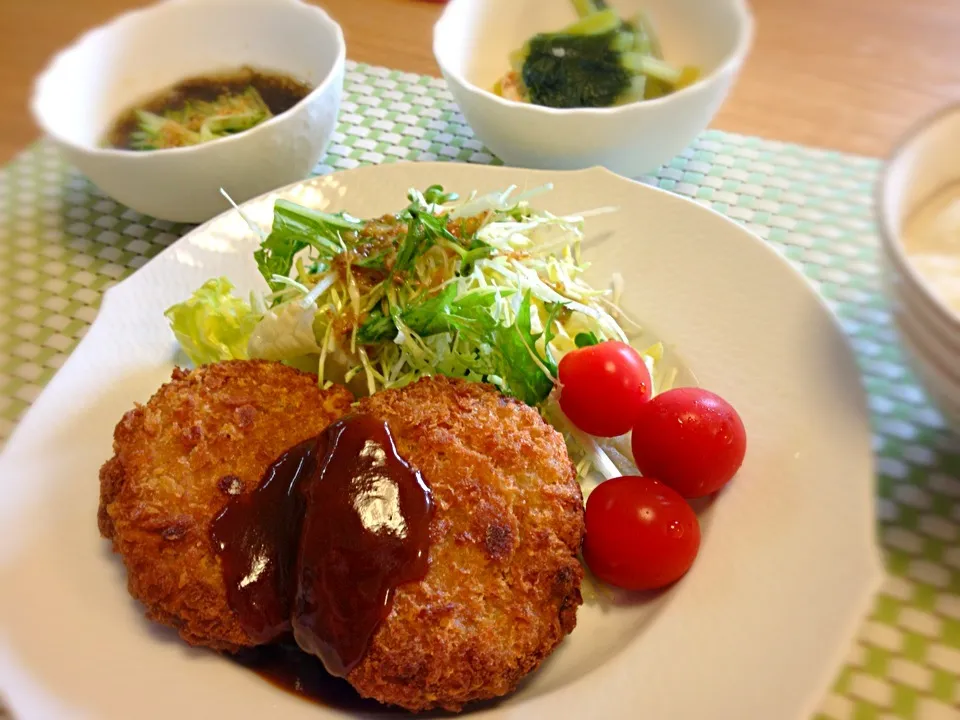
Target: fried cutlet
column 502, row 587
column 503, row 584
column 204, row 437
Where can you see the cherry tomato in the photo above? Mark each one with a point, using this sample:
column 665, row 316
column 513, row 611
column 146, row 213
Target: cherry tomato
column 641, row 535
column 689, row 438
column 602, row 387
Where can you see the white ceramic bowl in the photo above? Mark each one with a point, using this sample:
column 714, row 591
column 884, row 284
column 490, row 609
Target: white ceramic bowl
column 473, row 38
column 941, row 380
column 927, row 161
column 934, row 356
column 107, row 70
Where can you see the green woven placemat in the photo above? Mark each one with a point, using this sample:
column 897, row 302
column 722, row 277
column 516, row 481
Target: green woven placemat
column 62, row 243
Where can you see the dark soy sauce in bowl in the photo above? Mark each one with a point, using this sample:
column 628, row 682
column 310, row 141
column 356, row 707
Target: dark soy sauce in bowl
column 229, row 102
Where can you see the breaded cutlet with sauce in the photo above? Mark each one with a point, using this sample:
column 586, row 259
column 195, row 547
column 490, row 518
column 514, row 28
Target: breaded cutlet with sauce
column 205, row 436
column 503, row 585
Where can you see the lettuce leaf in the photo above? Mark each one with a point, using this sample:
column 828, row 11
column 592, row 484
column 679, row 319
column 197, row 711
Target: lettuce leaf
column 505, row 355
column 526, row 373
column 213, row 325
column 447, row 311
column 294, row 228
column 285, row 333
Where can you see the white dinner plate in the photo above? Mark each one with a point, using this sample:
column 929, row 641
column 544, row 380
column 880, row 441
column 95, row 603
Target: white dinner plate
column 755, row 631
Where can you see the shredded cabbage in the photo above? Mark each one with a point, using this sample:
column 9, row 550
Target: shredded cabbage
column 488, row 289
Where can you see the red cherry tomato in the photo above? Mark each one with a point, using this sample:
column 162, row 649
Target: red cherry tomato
column 602, row 387
column 689, row 438
column 641, row 535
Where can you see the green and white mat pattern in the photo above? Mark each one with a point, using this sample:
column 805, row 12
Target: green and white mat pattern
column 62, row 243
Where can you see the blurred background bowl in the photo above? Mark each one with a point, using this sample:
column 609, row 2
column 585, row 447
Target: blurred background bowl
column 106, row 71
column 926, row 163
column 472, row 42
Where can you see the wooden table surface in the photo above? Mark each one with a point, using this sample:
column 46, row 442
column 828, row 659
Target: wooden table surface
column 845, row 74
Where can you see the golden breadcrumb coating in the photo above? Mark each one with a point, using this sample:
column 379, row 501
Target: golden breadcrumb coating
column 204, row 436
column 503, row 586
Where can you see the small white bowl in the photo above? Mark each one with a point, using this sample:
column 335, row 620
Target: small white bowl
column 473, row 38
column 941, row 382
column 917, row 327
column 908, row 296
column 934, row 360
column 87, row 86
column 926, row 162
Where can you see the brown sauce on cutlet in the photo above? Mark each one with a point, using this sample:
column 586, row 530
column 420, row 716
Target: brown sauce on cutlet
column 257, row 536
column 366, row 530
column 336, row 524
column 285, row 666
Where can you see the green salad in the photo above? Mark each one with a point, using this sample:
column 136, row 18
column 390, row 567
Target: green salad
column 598, row 61
column 486, row 289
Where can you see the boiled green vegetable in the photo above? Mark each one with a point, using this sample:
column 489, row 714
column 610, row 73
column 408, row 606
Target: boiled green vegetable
column 597, row 61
